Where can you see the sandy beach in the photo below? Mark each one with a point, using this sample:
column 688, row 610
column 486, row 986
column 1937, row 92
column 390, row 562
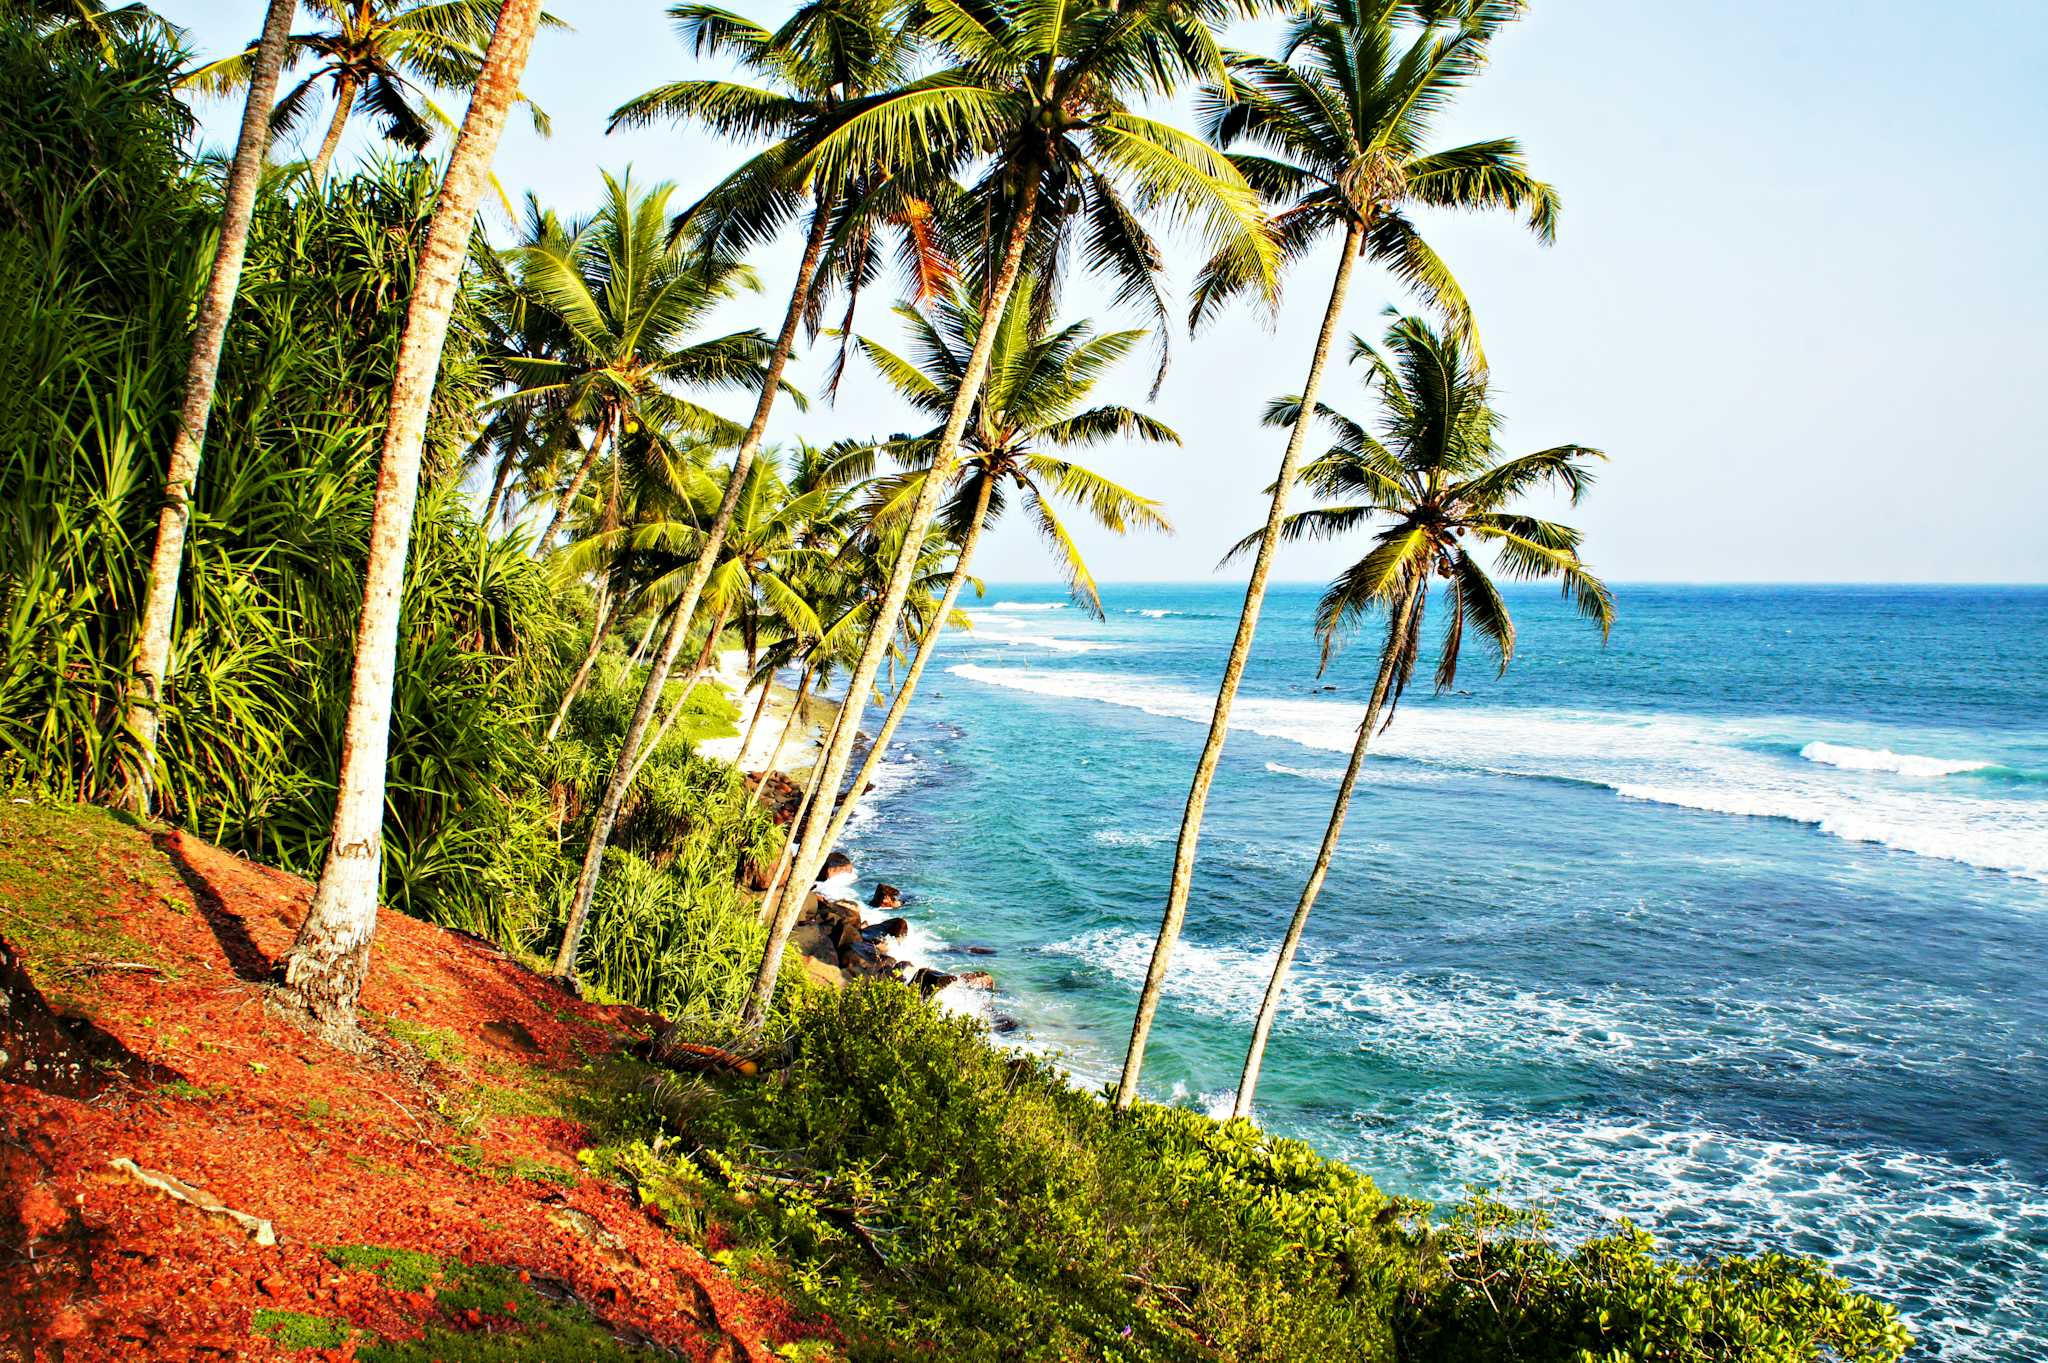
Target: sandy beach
column 799, row 753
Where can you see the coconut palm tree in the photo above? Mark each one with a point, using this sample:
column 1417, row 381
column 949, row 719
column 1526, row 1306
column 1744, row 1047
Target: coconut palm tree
column 209, row 332
column 1345, row 117
column 1434, row 485
column 325, row 968
column 829, row 54
column 1030, row 407
column 626, row 298
column 380, row 56
column 1040, row 97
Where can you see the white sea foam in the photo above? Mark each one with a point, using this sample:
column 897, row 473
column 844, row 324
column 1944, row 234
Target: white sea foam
column 1122, row 837
column 1853, row 758
column 1028, row 606
column 1434, row 1019
column 1157, row 615
column 987, row 633
column 1694, row 763
column 1876, row 1212
column 1306, row 773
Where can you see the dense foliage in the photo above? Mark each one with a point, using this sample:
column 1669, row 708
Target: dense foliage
column 930, row 1191
column 104, row 222
column 925, row 1186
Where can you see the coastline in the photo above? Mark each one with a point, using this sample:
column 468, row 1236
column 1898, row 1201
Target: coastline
column 895, row 943
column 799, row 754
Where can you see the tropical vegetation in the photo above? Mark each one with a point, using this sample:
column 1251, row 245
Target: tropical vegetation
column 471, row 493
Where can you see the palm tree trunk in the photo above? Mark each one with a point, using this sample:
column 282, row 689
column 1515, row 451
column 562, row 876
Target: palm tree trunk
column 567, row 500
column 344, row 104
column 499, row 484
column 331, row 955
column 803, row 690
column 804, row 807
column 1226, row 694
column 900, row 704
column 646, row 638
column 707, row 559
column 739, row 759
column 597, row 629
column 683, row 699
column 1269, row 1008
column 811, row 852
column 209, row 334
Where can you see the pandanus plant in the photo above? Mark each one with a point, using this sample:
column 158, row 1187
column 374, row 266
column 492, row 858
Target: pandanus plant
column 1434, row 487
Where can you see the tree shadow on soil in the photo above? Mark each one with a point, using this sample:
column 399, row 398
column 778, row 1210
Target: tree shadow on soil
column 244, row 957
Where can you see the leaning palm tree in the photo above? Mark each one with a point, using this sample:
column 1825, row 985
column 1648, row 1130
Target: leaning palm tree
column 1435, row 486
column 1040, row 98
column 327, row 963
column 1345, row 117
column 380, row 56
column 209, row 333
column 828, row 56
column 1030, row 407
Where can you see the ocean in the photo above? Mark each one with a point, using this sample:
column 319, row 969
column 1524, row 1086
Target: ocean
column 1736, row 926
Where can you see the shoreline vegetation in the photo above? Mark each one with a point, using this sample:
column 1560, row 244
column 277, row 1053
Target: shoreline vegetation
column 392, row 971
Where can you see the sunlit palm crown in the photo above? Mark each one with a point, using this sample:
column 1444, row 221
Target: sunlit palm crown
column 1034, row 102
column 1341, row 123
column 1433, row 485
column 387, row 54
column 826, row 56
column 1031, row 405
column 622, row 301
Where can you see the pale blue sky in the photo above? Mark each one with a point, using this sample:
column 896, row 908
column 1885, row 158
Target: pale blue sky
column 1796, row 293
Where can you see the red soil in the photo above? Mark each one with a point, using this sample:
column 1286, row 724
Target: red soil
column 332, row 1148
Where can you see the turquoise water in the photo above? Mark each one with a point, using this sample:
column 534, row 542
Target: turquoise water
column 1736, row 926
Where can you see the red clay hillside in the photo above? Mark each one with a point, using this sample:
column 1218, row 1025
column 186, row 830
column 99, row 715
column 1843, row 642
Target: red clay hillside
column 160, row 1126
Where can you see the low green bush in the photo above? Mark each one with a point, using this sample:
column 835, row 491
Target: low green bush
column 940, row 1197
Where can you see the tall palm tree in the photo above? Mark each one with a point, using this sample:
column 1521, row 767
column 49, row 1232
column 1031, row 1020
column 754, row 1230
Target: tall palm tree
column 1040, row 96
column 1435, row 484
column 383, row 57
column 1345, row 117
column 830, row 54
column 330, row 957
column 626, row 299
column 209, row 332
column 1030, row 406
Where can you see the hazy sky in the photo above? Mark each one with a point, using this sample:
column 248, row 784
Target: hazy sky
column 1796, row 295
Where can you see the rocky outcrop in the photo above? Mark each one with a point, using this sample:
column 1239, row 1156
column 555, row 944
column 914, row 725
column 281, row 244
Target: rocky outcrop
column 886, row 896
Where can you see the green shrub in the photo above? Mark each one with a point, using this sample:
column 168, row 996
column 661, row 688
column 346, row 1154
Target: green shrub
column 940, row 1197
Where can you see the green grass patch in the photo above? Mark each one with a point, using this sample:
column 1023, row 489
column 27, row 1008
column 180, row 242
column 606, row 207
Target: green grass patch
column 436, row 1044
column 185, row 1091
column 522, row 1327
column 294, row 1330
column 473, row 1158
column 402, row 1270
column 63, row 919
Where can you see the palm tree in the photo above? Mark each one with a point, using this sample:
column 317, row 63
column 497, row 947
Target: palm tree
column 382, row 56
column 330, row 957
column 1435, row 484
column 1345, row 116
column 625, row 297
column 1042, row 95
column 828, row 54
column 209, row 332
column 1031, row 404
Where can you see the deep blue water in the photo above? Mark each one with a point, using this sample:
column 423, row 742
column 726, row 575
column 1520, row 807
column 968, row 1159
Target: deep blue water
column 1736, row 926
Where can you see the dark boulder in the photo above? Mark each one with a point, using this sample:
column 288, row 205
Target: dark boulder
column 886, row 897
column 888, row 930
